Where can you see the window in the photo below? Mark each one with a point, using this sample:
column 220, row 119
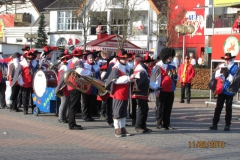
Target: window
column 61, row 42
column 19, row 40
column 67, row 21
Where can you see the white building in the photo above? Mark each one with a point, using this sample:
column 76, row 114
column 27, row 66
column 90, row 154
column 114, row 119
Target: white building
column 64, row 28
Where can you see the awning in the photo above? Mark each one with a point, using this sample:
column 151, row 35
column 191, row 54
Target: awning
column 110, row 43
column 225, row 3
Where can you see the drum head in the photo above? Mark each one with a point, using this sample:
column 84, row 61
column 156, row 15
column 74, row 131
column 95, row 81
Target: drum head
column 39, row 83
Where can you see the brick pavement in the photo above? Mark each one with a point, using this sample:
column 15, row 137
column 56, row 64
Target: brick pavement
column 42, row 137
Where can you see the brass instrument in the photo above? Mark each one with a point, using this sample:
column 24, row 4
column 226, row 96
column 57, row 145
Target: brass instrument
column 83, row 83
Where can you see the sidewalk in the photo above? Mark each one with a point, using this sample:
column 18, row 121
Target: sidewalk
column 42, row 137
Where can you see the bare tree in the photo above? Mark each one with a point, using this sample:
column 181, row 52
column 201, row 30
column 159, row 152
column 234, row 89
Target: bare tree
column 170, row 15
column 129, row 15
column 86, row 14
column 123, row 14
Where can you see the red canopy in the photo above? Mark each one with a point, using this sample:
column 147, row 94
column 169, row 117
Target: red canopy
column 110, row 43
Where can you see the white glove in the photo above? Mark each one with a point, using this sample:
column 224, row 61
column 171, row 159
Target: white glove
column 230, row 78
column 21, row 83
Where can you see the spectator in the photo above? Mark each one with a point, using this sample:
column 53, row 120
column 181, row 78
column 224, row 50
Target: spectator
column 176, row 60
column 192, row 60
column 201, row 59
column 186, row 73
column 236, row 24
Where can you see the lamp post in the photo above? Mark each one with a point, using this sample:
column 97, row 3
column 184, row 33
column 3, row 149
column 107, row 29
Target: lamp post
column 184, row 30
column 30, row 37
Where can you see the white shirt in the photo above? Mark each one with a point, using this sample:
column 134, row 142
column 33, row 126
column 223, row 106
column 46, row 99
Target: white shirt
column 176, row 61
column 193, row 62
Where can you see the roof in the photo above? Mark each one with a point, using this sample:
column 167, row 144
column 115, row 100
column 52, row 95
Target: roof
column 65, row 4
column 156, row 5
column 47, row 20
column 110, row 43
column 41, row 4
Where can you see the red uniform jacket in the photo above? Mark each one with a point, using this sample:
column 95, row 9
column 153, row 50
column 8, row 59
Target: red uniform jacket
column 120, row 91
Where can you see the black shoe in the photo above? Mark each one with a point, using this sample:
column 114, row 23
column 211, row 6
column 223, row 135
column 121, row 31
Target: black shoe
column 147, row 130
column 103, row 117
column 118, row 133
column 87, row 119
column 188, row 102
column 76, row 127
column 163, row 127
column 139, row 130
column 227, row 128
column 213, row 127
column 182, row 101
column 17, row 110
column 158, row 127
column 111, row 125
column 62, row 121
column 125, row 132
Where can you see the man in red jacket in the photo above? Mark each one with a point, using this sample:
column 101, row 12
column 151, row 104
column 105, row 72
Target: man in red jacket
column 186, row 73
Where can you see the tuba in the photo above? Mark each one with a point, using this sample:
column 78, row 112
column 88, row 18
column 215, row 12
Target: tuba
column 83, row 83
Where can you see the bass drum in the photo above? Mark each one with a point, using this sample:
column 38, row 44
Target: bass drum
column 43, row 79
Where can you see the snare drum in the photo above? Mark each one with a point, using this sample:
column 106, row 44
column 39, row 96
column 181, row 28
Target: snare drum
column 43, row 79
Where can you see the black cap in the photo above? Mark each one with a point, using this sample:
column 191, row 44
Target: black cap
column 16, row 55
column 36, row 52
column 1, row 52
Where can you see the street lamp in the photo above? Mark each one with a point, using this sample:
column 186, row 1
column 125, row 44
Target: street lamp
column 184, row 30
column 30, row 37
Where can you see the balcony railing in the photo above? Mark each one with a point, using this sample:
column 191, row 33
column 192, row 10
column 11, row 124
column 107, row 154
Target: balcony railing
column 220, row 22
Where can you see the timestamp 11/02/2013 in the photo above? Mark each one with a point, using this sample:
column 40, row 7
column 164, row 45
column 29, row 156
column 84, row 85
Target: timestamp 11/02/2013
column 206, row 144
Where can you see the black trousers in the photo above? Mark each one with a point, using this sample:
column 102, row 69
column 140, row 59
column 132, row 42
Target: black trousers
column 19, row 97
column 187, row 86
column 74, row 104
column 2, row 95
column 219, row 106
column 142, row 113
column 15, row 90
column 108, row 105
column 164, row 108
column 104, row 107
column 25, row 96
column 133, row 114
column 88, row 103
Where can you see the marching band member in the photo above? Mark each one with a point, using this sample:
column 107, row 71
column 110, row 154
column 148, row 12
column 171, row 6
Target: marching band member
column 25, row 49
column 118, row 85
column 3, row 72
column 45, row 62
column 14, row 67
column 103, row 63
column 75, row 95
column 140, row 92
column 132, row 108
column 165, row 76
column 25, row 78
column 225, row 77
column 65, row 94
column 106, row 106
column 89, row 98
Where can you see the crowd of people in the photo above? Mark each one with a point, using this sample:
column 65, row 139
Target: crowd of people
column 128, row 78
